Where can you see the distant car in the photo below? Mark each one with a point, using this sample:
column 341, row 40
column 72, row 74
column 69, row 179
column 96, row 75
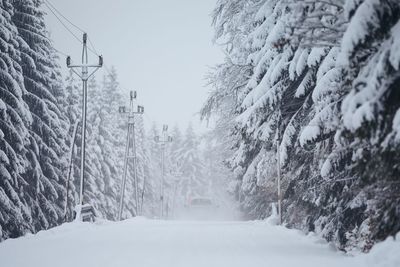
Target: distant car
column 201, row 202
column 201, row 208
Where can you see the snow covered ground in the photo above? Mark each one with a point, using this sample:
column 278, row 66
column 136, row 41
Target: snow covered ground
column 141, row 242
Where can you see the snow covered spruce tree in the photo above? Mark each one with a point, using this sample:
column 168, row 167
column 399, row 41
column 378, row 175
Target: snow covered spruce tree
column 175, row 148
column 72, row 104
column 151, row 204
column 352, row 121
column 366, row 148
column 15, row 118
column 175, row 176
column 146, row 184
column 47, row 152
column 192, row 165
column 318, row 79
column 216, row 172
column 105, row 145
column 33, row 123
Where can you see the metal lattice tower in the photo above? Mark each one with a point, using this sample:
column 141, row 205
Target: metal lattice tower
column 130, row 152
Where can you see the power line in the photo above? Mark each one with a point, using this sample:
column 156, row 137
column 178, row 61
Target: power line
column 63, row 24
column 60, row 52
column 94, row 49
column 105, row 65
column 47, row 4
column 91, row 48
column 70, row 22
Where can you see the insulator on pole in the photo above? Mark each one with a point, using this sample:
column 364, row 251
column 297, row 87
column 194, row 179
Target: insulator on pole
column 122, row 109
column 100, row 61
column 84, row 38
column 133, row 95
column 68, row 61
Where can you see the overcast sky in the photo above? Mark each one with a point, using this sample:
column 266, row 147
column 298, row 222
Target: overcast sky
column 160, row 48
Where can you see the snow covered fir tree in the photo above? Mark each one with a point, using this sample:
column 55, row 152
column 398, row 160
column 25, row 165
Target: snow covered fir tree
column 300, row 126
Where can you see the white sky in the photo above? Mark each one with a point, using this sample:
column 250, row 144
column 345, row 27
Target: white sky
column 160, row 48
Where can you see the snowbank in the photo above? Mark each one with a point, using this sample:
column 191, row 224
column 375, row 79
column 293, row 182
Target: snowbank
column 151, row 243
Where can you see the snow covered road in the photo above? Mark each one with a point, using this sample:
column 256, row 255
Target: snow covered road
column 148, row 243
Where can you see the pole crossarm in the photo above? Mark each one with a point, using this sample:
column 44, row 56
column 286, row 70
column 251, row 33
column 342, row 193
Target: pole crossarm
column 84, row 66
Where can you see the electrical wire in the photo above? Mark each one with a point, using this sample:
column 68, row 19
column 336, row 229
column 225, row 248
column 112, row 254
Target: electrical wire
column 60, row 52
column 54, row 11
column 70, row 22
column 92, row 48
column 47, row 38
column 62, row 23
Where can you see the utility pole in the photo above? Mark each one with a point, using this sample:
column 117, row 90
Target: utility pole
column 278, row 163
column 130, row 142
column 87, row 70
column 70, row 164
column 142, row 195
column 163, row 141
column 177, row 174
